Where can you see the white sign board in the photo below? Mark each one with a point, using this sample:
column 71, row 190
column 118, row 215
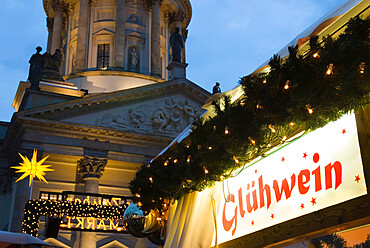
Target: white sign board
column 319, row 170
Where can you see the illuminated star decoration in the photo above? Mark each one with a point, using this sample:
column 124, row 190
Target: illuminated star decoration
column 32, row 168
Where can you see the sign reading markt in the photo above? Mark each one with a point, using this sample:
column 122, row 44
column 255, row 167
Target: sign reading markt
column 91, row 203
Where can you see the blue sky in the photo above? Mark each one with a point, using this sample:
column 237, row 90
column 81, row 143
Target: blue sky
column 227, row 39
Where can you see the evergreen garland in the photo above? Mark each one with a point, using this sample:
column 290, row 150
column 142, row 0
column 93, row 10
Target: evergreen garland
column 304, row 92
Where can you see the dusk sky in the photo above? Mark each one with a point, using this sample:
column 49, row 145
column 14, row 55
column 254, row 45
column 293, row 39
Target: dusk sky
column 227, row 39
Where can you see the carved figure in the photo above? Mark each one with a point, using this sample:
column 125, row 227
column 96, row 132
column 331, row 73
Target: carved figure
column 133, row 59
column 169, row 103
column 216, row 89
column 177, row 43
column 36, row 68
column 159, row 119
column 136, row 118
column 190, row 112
column 175, row 123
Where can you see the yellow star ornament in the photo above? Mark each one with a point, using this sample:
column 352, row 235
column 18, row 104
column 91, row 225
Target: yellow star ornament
column 32, row 168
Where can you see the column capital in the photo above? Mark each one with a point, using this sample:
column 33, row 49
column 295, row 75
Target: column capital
column 176, row 16
column 91, row 167
column 59, row 5
column 154, row 2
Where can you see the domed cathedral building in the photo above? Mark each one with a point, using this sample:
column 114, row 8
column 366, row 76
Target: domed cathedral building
column 108, row 94
column 104, row 39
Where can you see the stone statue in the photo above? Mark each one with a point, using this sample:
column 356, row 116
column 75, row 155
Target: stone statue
column 133, row 59
column 177, row 44
column 36, row 68
column 216, row 88
column 52, row 65
column 52, row 62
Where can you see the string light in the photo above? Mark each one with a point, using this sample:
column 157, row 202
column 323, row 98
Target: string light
column 210, row 148
column 291, row 124
column 151, row 179
column 226, row 130
column 287, row 83
column 214, row 128
column 165, row 163
column 205, row 171
column 137, row 195
column 175, row 161
column 236, row 160
column 315, row 55
column 284, row 138
column 272, row 128
column 188, row 159
column 264, row 81
column 222, row 177
column 330, row 69
column 309, row 109
column 252, row 141
column 258, row 106
column 362, row 67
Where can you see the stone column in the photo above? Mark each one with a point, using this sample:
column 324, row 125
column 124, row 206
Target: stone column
column 49, row 25
column 82, row 38
column 156, row 38
column 119, row 44
column 59, row 6
column 90, row 169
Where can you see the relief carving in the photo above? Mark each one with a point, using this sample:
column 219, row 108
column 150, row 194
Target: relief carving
column 166, row 116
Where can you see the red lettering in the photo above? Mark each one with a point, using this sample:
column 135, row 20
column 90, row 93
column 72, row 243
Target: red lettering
column 303, row 189
column 255, row 204
column 338, row 175
column 262, row 189
column 241, row 209
column 228, row 223
column 317, row 175
column 284, row 187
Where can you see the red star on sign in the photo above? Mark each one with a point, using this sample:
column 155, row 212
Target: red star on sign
column 255, row 171
column 344, row 131
column 272, row 216
column 302, row 205
column 313, row 201
column 357, row 178
column 305, row 155
column 282, row 159
column 252, row 222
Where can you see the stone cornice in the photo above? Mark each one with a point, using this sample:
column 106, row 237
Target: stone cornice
column 104, row 101
column 81, row 131
column 188, row 11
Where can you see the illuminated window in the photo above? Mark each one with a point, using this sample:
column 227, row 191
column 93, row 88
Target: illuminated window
column 51, row 196
column 103, row 56
column 44, row 196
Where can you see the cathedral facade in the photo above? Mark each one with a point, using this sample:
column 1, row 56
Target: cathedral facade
column 111, row 96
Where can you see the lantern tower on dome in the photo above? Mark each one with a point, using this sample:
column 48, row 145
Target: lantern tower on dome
column 110, row 45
